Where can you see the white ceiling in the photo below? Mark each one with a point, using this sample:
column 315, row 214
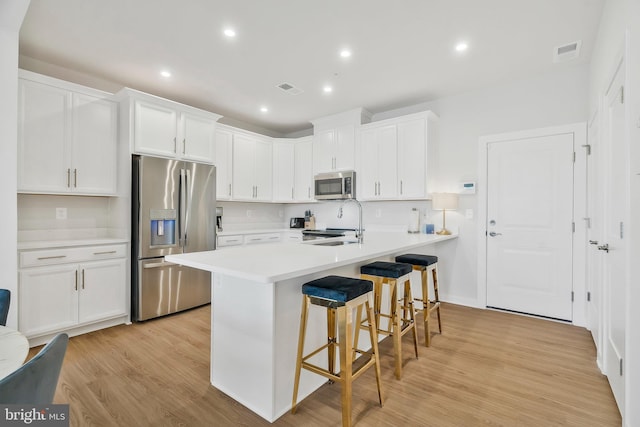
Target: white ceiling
column 403, row 51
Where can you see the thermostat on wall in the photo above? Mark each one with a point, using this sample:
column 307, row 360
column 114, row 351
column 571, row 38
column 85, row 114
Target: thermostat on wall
column 468, row 187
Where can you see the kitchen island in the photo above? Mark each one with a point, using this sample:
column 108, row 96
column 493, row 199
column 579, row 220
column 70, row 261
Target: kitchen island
column 255, row 310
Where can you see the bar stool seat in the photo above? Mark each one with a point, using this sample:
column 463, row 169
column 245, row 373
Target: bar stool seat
column 391, row 273
column 426, row 264
column 340, row 295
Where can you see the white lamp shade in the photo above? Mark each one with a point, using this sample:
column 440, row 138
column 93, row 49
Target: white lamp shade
column 448, row 201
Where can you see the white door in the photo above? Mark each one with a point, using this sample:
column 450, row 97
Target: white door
column 263, row 167
column 615, row 265
column 412, row 159
column 529, row 225
column 243, row 168
column 283, row 171
column 595, row 209
column 224, row 159
column 303, row 168
column 198, row 135
column 155, row 129
column 102, row 290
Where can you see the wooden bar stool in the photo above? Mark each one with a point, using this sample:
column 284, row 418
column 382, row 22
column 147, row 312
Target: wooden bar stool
column 391, row 273
column 340, row 295
column 426, row 264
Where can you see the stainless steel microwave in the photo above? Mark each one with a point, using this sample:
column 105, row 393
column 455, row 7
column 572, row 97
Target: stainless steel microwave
column 335, row 185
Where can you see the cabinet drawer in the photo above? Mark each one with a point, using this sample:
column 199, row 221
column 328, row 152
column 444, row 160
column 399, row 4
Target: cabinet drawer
column 262, row 238
column 67, row 255
column 230, row 240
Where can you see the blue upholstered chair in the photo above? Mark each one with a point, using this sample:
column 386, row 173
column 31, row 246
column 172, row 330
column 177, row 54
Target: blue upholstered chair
column 36, row 381
column 5, row 299
column 340, row 295
column 426, row 264
column 401, row 313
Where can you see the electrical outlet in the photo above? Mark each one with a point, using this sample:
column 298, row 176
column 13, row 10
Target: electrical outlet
column 378, row 213
column 61, row 213
column 249, row 213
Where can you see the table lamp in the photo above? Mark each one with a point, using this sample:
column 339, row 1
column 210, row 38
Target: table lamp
column 444, row 202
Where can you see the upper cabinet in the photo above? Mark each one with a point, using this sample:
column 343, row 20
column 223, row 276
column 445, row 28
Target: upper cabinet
column 397, row 157
column 292, row 170
column 67, row 138
column 224, row 162
column 252, row 167
column 164, row 128
column 334, row 140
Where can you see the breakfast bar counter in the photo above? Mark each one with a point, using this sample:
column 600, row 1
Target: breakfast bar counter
column 255, row 309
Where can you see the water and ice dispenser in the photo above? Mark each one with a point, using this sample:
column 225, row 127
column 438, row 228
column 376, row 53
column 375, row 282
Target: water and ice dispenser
column 163, row 227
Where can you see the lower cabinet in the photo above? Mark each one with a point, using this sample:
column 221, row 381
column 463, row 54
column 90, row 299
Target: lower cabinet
column 74, row 287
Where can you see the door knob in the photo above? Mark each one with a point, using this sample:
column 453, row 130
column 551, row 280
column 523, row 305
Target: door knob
column 604, row 247
column 494, row 234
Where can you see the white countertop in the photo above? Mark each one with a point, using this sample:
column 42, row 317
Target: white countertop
column 258, row 231
column 275, row 262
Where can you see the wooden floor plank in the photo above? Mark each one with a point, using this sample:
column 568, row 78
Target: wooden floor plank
column 487, row 368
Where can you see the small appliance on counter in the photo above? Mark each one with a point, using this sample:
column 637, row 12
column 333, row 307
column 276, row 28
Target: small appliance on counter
column 296, row 222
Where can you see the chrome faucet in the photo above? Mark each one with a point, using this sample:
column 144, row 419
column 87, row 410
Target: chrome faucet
column 360, row 231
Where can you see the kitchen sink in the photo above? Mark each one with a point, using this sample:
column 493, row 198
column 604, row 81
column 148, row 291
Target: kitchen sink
column 336, row 243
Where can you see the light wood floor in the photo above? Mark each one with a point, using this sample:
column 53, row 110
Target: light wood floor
column 488, row 368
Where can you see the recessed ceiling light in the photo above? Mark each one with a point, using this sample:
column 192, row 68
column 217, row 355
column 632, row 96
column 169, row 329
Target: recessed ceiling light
column 165, row 73
column 345, row 53
column 229, row 32
column 461, row 47
column 327, row 89
column 264, row 109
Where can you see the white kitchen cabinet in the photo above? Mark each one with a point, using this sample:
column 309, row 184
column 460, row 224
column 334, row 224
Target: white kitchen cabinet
column 334, row 140
column 164, row 128
column 334, row 149
column 252, row 168
column 293, row 170
column 378, row 176
column 303, row 170
column 230, row 240
column 283, row 171
column 252, row 239
column 397, row 157
column 224, row 163
column 67, row 138
column 64, row 289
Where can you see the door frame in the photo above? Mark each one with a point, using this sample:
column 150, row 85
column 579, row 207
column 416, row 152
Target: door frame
column 579, row 130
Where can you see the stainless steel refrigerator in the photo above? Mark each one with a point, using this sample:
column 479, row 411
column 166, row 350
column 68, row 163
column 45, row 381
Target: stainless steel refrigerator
column 173, row 212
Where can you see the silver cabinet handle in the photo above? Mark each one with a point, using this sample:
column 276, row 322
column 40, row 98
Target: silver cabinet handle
column 175, row 146
column 494, row 234
column 401, row 187
column 104, row 252
column 184, row 146
column 229, row 190
column 76, row 280
column 593, row 242
column 604, row 247
column 291, row 193
column 83, row 278
column 68, row 177
column 309, row 192
column 51, row 257
column 75, row 178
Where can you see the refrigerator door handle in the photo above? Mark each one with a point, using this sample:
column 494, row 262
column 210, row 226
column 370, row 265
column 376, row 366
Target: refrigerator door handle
column 182, row 208
column 158, row 264
column 187, row 205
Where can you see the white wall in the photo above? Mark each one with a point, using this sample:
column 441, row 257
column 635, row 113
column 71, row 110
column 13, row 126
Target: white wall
column 620, row 19
column 540, row 101
column 11, row 16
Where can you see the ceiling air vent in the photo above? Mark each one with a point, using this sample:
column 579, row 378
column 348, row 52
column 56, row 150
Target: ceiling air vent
column 290, row 89
column 567, row 51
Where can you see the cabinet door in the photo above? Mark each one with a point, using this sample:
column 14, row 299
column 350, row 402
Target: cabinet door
column 263, row 177
column 102, row 290
column 94, row 145
column 283, row 171
column 303, row 171
column 197, row 138
column 155, row 128
column 48, row 299
column 224, row 164
column 387, row 162
column 345, row 148
column 243, row 168
column 323, row 151
column 368, row 174
column 412, row 159
column 43, row 131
